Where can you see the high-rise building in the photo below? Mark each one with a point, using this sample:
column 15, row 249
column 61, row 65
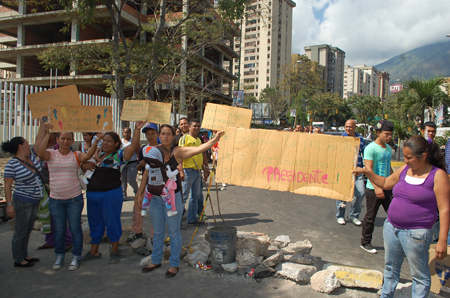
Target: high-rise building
column 264, row 46
column 365, row 80
column 332, row 59
column 26, row 31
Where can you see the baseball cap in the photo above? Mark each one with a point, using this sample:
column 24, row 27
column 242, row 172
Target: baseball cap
column 150, row 126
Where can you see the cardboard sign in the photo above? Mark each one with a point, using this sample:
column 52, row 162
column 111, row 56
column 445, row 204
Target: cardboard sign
column 63, row 96
column 439, row 270
column 219, row 117
column 81, row 118
column 146, row 110
column 310, row 164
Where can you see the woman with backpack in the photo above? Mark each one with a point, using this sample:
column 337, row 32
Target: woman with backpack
column 157, row 207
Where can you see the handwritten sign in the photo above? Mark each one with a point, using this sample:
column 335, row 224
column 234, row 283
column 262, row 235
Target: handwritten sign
column 146, row 110
column 219, row 117
column 310, row 164
column 81, row 118
column 63, row 96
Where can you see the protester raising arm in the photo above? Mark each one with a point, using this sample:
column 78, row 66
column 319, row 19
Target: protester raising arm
column 181, row 153
column 88, row 155
column 134, row 146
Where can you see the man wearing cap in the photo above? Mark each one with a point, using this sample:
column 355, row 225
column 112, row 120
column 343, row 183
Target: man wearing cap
column 359, row 192
column 377, row 158
column 151, row 133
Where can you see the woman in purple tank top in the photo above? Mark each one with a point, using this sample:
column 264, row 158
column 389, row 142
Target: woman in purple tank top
column 420, row 188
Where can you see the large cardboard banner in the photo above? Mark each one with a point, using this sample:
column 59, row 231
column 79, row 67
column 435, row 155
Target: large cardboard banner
column 81, row 118
column 310, row 164
column 439, row 270
column 63, row 96
column 146, row 110
column 219, row 117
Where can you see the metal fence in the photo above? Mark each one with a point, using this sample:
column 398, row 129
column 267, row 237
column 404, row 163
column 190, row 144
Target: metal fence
column 16, row 118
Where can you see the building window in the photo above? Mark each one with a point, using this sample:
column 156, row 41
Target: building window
column 268, row 71
column 268, row 78
column 252, row 57
column 268, row 55
column 249, row 65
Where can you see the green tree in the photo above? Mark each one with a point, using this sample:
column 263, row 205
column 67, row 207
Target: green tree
column 420, row 94
column 366, row 107
column 278, row 101
column 324, row 107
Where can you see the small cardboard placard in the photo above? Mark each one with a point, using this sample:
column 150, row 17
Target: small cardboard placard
column 146, row 110
column 219, row 117
column 63, row 96
column 310, row 164
column 81, row 118
column 439, row 270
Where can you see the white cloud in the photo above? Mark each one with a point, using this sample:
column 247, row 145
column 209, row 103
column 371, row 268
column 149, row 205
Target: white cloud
column 370, row 31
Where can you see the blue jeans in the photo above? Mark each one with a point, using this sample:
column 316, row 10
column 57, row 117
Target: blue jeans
column 25, row 216
column 358, row 196
column 413, row 244
column 64, row 211
column 193, row 179
column 158, row 214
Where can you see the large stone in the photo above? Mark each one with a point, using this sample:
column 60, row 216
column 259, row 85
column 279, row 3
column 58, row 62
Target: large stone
column 143, row 251
column 273, row 260
column 203, row 246
column 281, row 241
column 257, row 243
column 295, row 272
column 126, row 232
column 273, row 249
column 140, row 242
column 263, row 271
column 355, row 277
column 37, row 225
column 198, row 256
column 324, row 281
column 167, row 252
column 86, row 233
column 303, row 247
column 230, row 268
column 245, row 257
column 303, row 259
column 243, row 270
column 146, row 261
column 149, row 245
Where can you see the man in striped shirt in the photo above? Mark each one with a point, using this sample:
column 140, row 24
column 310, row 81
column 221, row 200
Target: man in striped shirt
column 359, row 193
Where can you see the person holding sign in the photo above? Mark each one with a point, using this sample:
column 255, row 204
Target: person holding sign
column 419, row 188
column 192, row 172
column 66, row 200
column 359, row 192
column 157, row 207
column 104, row 193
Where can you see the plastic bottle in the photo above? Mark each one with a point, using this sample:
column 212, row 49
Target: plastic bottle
column 145, row 204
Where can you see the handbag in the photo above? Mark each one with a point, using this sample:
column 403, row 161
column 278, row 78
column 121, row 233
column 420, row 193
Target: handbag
column 26, row 163
column 80, row 173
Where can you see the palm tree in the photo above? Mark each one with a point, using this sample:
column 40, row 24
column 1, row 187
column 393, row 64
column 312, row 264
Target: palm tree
column 421, row 94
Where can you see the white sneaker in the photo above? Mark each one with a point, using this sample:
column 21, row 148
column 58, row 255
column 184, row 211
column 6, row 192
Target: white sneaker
column 369, row 248
column 58, row 263
column 356, row 222
column 74, row 264
column 341, row 221
column 171, row 213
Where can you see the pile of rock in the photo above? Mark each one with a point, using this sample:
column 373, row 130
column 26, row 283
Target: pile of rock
column 281, row 258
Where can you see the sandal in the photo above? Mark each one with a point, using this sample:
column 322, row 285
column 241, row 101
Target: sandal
column 90, row 257
column 171, row 274
column 45, row 246
column 114, row 258
column 148, row 268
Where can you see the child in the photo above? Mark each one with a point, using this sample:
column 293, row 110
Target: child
column 168, row 192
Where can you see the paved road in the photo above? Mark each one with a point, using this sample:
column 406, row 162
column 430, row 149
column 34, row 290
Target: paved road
column 274, row 213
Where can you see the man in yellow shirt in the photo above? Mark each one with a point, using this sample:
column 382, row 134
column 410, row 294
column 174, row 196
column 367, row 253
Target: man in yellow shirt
column 192, row 171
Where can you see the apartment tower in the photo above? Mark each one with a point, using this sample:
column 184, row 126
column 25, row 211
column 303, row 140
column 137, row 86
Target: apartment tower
column 265, row 45
column 332, row 59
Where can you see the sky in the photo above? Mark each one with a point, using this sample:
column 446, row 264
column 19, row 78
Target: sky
column 369, row 31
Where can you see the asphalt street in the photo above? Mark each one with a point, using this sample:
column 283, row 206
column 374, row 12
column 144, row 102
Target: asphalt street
column 248, row 209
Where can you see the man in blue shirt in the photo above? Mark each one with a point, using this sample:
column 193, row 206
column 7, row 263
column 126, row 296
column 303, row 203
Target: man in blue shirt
column 359, row 192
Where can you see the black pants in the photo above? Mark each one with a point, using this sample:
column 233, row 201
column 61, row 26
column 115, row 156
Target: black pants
column 373, row 204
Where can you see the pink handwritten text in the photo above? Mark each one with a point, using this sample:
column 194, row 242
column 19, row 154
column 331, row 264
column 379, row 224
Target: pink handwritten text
column 276, row 174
